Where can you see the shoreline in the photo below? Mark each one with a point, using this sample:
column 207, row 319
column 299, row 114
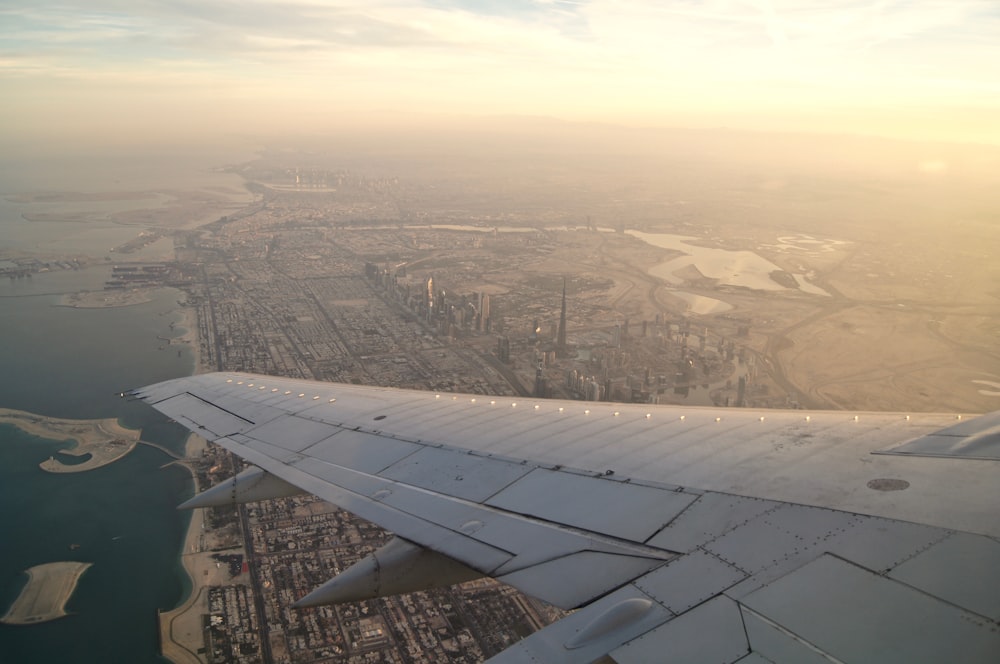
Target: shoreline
column 189, row 323
column 46, row 594
column 181, row 629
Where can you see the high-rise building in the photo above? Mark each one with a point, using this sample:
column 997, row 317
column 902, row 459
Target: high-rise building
column 503, row 349
column 561, row 335
column 484, row 310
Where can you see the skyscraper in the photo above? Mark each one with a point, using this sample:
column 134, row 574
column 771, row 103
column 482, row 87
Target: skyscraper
column 561, row 337
column 484, row 311
column 429, row 295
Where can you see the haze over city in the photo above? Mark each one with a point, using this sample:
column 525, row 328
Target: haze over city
column 715, row 206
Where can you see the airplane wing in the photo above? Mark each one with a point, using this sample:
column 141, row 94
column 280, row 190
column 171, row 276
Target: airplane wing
column 677, row 534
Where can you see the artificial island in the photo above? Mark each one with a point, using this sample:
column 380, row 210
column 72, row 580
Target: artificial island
column 96, row 442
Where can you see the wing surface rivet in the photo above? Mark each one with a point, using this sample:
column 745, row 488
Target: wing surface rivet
column 683, row 416
column 648, row 415
column 617, row 413
column 761, row 418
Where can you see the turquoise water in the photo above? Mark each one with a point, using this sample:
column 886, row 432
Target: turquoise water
column 72, row 363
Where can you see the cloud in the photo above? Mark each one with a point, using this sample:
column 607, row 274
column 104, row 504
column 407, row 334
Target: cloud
column 595, row 58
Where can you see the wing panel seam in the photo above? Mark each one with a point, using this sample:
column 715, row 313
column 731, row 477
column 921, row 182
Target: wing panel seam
column 213, row 405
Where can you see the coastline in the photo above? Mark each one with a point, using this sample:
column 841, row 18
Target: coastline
column 182, row 628
column 45, row 595
column 104, row 440
column 189, row 323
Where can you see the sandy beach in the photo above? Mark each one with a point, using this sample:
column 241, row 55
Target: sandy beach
column 45, row 595
column 189, row 323
column 104, row 440
column 182, row 629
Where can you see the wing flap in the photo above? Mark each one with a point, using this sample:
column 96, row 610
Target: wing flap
column 856, row 615
column 473, row 553
column 549, row 645
column 712, row 632
column 202, row 416
column 636, row 553
column 434, row 496
column 628, row 511
column 466, row 476
column 961, row 569
column 369, row 453
column 574, row 580
column 690, row 580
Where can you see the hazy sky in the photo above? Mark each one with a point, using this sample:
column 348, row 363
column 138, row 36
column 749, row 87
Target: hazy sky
column 923, row 68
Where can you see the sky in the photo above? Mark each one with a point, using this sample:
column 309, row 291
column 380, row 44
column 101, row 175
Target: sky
column 924, row 69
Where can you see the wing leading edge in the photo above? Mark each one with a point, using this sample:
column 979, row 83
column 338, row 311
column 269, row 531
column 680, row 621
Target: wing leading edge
column 658, row 570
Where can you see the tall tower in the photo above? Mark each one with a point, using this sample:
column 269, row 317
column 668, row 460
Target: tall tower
column 561, row 338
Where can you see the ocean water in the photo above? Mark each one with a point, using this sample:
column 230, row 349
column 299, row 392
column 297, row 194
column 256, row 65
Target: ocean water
column 72, row 363
column 152, row 176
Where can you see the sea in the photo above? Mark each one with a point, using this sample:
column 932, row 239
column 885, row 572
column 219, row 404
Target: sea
column 73, row 363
